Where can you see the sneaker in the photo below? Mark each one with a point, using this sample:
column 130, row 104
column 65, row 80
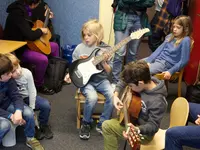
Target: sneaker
column 46, row 130
column 99, row 128
column 84, row 132
column 45, row 90
column 39, row 135
column 34, row 144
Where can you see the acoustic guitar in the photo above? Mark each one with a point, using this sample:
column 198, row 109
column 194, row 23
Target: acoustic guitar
column 131, row 107
column 42, row 44
column 81, row 70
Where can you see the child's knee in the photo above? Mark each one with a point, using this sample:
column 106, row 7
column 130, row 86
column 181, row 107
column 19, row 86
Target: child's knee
column 5, row 125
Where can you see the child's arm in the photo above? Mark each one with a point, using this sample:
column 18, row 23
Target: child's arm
column 185, row 55
column 157, row 52
column 31, row 89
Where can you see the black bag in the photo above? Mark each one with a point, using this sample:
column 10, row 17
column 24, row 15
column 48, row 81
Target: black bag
column 193, row 93
column 55, row 73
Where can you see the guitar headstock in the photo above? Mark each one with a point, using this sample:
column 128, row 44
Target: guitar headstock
column 134, row 138
column 139, row 33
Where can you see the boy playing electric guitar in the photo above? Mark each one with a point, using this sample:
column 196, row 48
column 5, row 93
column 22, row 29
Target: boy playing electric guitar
column 92, row 36
column 152, row 91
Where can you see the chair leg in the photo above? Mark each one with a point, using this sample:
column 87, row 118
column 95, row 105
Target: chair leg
column 179, row 86
column 78, row 114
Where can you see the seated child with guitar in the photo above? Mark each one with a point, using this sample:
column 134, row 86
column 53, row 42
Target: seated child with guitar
column 27, row 90
column 147, row 97
column 18, row 27
column 92, row 36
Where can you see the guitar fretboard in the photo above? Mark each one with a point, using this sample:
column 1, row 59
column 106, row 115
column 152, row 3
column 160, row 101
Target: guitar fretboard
column 99, row 59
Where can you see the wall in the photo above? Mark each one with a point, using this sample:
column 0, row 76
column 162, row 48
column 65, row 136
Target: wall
column 3, row 7
column 70, row 16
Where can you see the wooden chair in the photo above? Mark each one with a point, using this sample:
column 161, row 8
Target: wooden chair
column 176, row 75
column 80, row 100
column 178, row 117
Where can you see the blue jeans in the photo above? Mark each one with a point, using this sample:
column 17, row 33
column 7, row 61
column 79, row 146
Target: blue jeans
column 177, row 137
column 27, row 114
column 132, row 48
column 159, row 66
column 90, row 92
column 43, row 106
column 4, row 127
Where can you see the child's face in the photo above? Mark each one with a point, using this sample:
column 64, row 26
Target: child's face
column 137, row 88
column 5, row 77
column 89, row 38
column 177, row 30
column 17, row 72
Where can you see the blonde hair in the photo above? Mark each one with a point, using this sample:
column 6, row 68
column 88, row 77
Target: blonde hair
column 186, row 23
column 95, row 28
column 15, row 61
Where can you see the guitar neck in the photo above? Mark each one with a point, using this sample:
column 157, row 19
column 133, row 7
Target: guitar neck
column 46, row 19
column 99, row 59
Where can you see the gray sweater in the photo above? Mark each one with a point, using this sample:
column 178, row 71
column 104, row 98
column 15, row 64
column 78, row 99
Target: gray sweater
column 154, row 106
column 26, row 87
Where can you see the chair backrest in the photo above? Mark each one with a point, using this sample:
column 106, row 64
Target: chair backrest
column 179, row 112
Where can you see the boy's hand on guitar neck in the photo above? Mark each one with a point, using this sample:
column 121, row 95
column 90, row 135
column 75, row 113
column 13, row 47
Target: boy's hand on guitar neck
column 132, row 134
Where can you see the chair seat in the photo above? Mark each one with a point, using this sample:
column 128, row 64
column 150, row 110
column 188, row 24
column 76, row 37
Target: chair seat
column 158, row 142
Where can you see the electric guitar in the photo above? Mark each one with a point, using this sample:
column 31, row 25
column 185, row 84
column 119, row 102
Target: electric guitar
column 81, row 70
column 131, row 107
column 42, row 44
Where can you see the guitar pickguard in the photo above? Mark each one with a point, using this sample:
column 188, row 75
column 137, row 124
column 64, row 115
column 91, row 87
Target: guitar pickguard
column 86, row 70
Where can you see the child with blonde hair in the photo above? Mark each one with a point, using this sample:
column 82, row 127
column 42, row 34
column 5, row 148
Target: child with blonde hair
column 92, row 36
column 26, row 87
column 173, row 54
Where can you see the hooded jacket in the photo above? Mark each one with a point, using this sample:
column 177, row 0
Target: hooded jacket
column 19, row 25
column 154, row 106
column 9, row 94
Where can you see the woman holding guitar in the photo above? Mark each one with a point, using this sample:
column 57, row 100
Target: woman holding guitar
column 19, row 28
column 150, row 93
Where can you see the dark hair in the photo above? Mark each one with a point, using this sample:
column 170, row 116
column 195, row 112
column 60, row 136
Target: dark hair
column 5, row 65
column 30, row 2
column 136, row 71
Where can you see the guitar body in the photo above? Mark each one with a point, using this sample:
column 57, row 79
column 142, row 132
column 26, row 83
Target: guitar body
column 81, row 70
column 41, row 45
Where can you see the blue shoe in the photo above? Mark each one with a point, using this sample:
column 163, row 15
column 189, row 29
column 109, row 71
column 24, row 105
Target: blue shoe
column 99, row 128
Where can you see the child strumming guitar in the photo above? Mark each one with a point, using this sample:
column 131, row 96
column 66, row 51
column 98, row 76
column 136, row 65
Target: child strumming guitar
column 92, row 35
column 152, row 94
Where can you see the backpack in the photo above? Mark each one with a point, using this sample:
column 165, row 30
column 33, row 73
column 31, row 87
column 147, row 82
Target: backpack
column 193, row 93
column 55, row 73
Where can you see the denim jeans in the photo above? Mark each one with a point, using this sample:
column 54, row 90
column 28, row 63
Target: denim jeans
column 176, row 137
column 90, row 92
column 133, row 24
column 43, row 106
column 27, row 115
column 4, row 127
column 159, row 66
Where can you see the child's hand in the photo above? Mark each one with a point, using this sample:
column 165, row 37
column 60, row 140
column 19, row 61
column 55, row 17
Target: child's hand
column 17, row 118
column 117, row 102
column 198, row 120
column 67, row 78
column 167, row 75
column 107, row 56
